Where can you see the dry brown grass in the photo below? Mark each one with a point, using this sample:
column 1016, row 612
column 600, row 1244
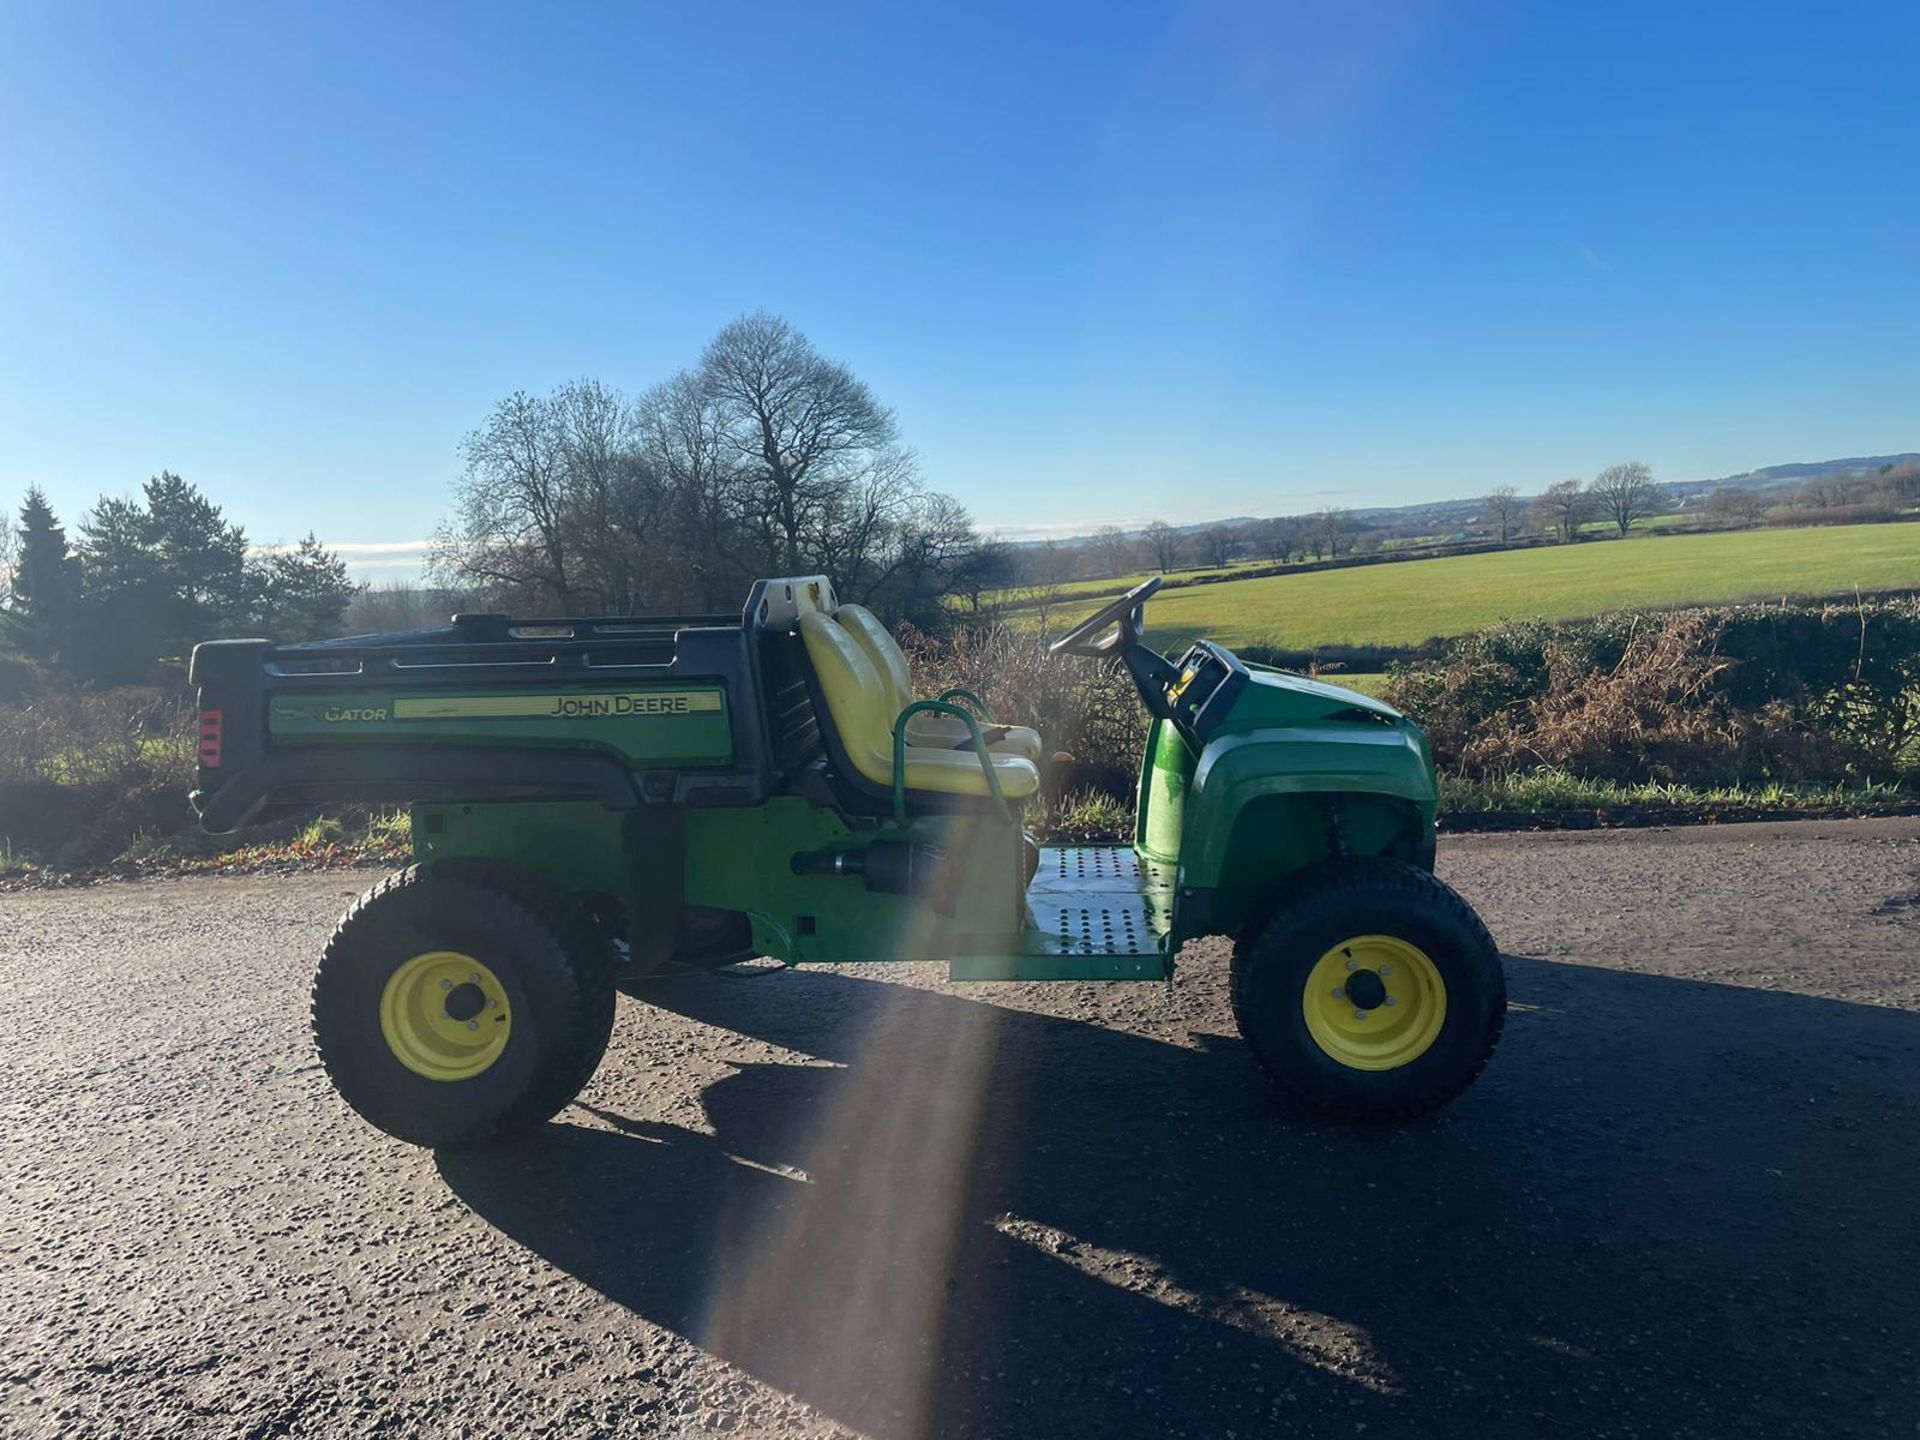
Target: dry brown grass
column 1087, row 708
column 1821, row 694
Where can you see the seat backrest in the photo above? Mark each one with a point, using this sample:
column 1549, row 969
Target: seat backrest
column 793, row 727
column 773, row 608
column 856, row 696
column 882, row 649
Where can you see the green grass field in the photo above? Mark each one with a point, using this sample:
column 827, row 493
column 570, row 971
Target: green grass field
column 1408, row 602
column 1115, row 583
column 1367, row 682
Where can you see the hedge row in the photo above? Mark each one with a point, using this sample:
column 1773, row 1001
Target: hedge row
column 1824, row 693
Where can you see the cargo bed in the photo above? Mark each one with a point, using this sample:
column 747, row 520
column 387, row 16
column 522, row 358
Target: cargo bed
column 620, row 710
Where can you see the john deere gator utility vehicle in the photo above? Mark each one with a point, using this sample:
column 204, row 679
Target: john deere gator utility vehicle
column 699, row 789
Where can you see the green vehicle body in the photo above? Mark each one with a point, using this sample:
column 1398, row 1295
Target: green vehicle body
column 1287, row 773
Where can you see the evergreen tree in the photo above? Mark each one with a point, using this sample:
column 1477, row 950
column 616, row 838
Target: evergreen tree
column 304, row 592
column 160, row 576
column 45, row 582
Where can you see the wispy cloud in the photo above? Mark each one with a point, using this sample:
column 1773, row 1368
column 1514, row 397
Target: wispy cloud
column 1592, row 259
column 348, row 549
column 1063, row 529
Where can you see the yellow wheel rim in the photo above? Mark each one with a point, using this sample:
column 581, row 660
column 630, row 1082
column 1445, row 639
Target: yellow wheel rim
column 1374, row 1002
column 445, row 1015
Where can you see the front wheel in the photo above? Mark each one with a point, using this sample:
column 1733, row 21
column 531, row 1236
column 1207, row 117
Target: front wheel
column 462, row 1002
column 1372, row 992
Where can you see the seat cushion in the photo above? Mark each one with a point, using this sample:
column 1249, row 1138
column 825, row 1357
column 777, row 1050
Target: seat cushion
column 950, row 730
column 958, row 772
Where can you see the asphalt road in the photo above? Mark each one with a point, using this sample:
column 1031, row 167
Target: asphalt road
column 1680, row 1202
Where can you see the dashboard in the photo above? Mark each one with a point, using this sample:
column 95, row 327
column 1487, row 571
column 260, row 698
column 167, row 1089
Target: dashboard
column 1206, row 682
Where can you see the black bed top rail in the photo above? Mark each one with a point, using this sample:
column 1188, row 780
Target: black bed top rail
column 471, row 645
column 425, row 662
column 503, row 628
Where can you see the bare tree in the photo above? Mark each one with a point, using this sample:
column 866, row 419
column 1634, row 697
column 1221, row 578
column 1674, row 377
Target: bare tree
column 1216, row 542
column 9, row 550
column 1732, row 505
column 857, row 531
column 1823, row 492
column 1900, row 483
column 1505, row 511
column 1284, row 537
column 1336, row 527
column 617, row 501
column 991, row 567
column 1271, row 538
column 1563, row 508
column 1044, row 570
column 1163, row 543
column 1113, row 552
column 801, row 428
column 927, row 557
column 764, row 459
column 561, row 505
column 402, row 605
column 716, row 555
column 510, row 529
column 1626, row 493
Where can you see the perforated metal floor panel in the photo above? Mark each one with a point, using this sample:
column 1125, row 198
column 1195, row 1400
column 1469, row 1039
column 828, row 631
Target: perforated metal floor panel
column 1099, row 912
column 1086, row 900
column 1100, row 900
column 1118, row 929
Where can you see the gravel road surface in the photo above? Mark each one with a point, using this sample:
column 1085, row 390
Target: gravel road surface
column 1680, row 1202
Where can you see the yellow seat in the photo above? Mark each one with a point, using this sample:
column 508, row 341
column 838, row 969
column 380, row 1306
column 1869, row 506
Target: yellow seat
column 943, row 731
column 858, row 701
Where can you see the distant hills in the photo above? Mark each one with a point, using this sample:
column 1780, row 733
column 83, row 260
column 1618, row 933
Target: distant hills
column 1803, row 470
column 1452, row 514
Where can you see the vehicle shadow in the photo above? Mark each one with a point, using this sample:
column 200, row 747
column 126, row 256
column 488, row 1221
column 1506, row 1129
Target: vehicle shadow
column 1669, row 1208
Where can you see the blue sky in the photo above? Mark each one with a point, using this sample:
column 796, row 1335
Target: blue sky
column 1108, row 261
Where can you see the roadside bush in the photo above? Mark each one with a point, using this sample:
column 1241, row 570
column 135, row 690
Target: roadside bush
column 82, row 772
column 1085, row 707
column 107, row 737
column 19, row 679
column 1743, row 694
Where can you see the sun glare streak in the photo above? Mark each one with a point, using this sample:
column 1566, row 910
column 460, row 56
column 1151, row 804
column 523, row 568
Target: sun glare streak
column 782, row 1172
column 841, row 1285
column 1322, row 1341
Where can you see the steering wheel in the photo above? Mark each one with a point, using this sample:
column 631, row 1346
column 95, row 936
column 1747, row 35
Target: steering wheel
column 1122, row 615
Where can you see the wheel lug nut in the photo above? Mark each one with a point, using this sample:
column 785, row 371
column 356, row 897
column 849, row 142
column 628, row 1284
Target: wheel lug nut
column 1359, row 1014
column 1339, row 993
column 473, row 979
column 1389, row 1000
column 1386, row 969
column 492, row 1003
column 1353, row 964
column 473, row 1024
column 446, row 984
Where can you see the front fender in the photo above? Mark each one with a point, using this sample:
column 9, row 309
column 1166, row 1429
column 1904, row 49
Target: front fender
column 1253, row 815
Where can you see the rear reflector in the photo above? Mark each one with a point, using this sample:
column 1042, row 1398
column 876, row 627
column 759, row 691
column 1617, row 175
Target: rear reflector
column 211, row 724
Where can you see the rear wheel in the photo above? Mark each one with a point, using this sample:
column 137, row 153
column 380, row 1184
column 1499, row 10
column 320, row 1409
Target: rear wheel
column 1371, row 992
column 458, row 1003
